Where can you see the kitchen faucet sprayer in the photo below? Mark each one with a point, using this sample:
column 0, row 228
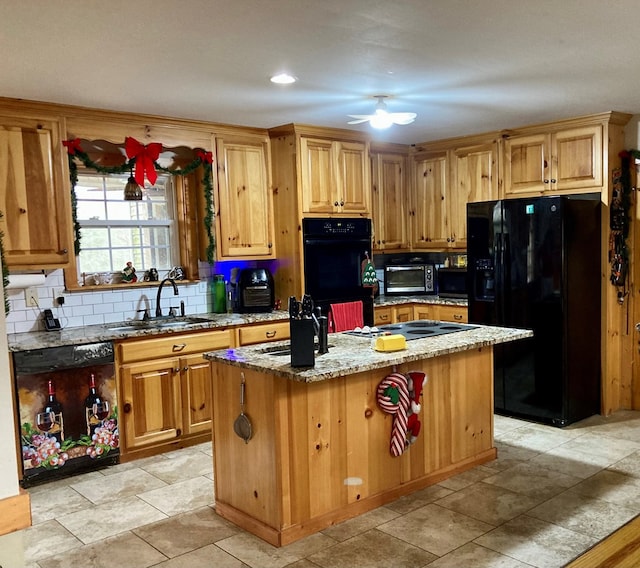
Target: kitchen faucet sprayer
column 175, row 293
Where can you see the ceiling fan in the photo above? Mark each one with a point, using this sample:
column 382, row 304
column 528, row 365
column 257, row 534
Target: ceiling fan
column 383, row 118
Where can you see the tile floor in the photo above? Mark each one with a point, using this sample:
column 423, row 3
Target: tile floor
column 549, row 496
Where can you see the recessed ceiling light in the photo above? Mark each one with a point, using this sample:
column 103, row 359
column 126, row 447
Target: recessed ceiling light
column 283, row 79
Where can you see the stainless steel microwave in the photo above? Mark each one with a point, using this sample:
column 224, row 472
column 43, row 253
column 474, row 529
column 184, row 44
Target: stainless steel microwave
column 409, row 279
column 452, row 283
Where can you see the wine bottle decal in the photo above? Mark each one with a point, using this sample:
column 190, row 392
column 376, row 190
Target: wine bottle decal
column 96, row 409
column 50, row 419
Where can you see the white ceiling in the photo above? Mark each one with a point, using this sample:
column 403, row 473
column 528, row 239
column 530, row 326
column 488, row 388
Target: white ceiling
column 465, row 66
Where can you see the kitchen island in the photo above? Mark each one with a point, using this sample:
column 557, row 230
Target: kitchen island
column 320, row 446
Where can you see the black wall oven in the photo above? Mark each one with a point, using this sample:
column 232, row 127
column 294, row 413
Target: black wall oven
column 334, row 250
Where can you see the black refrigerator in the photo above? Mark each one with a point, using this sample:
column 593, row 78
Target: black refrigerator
column 535, row 264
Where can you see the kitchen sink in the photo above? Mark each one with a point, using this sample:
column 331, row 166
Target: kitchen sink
column 159, row 323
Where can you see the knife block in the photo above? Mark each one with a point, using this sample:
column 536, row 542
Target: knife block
column 302, row 347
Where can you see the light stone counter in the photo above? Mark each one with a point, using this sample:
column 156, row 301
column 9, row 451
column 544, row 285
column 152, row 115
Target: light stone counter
column 349, row 354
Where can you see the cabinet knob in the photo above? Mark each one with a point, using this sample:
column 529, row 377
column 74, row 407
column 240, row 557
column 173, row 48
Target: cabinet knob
column 176, row 370
column 341, row 203
column 178, row 431
column 126, row 407
column 63, row 251
column 22, row 210
column 546, row 181
column 270, row 334
column 553, row 181
column 185, row 369
column 179, row 346
column 335, row 203
column 457, row 317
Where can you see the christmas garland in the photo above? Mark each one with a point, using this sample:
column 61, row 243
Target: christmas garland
column 142, row 159
column 5, row 271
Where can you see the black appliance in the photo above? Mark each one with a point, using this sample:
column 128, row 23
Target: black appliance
column 255, row 291
column 535, row 264
column 416, row 329
column 334, row 250
column 401, row 279
column 452, row 283
column 70, row 444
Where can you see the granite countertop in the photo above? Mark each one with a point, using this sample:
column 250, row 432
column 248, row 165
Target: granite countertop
column 124, row 329
column 349, row 354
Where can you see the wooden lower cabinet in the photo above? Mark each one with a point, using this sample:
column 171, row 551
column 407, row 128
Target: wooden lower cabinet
column 263, row 333
column 403, row 313
column 164, row 390
column 382, row 316
column 290, row 479
column 458, row 314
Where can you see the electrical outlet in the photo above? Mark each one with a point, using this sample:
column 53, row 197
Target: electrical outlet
column 31, row 296
column 202, row 287
column 57, row 293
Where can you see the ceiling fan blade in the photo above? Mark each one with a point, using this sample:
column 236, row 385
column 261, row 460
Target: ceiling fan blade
column 403, row 117
column 359, row 118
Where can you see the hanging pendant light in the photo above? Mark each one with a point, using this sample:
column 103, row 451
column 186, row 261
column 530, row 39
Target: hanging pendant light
column 132, row 191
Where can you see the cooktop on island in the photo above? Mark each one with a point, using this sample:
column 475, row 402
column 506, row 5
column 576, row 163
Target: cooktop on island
column 417, row 329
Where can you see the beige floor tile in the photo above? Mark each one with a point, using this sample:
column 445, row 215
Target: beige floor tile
column 257, row 553
column 533, row 481
column 435, row 529
column 181, row 467
column 629, row 465
column 612, row 487
column 12, row 546
column 189, row 531
column 47, row 538
column 504, row 424
column 373, row 549
column 96, row 475
column 122, row 550
column 467, row 478
column 206, row 557
column 474, row 556
column 117, row 486
column 586, row 515
column 360, row 524
column 537, row 438
column 62, row 500
column 109, row 519
column 418, row 499
column 508, row 456
column 605, row 446
column 488, row 503
column 181, row 497
column 571, row 462
column 536, row 542
column 139, row 463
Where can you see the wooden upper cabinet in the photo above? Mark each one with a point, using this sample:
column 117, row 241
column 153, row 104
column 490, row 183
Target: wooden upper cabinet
column 564, row 160
column 389, row 209
column 430, row 202
column 34, row 198
column 244, row 216
column 476, row 175
column 334, row 176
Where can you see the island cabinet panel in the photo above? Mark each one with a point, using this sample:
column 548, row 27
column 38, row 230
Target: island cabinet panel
column 320, row 451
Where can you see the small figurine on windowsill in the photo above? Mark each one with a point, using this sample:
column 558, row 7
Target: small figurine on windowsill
column 129, row 273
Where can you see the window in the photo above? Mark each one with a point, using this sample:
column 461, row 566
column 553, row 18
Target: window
column 115, row 231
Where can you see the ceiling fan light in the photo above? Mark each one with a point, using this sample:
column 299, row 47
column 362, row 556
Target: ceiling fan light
column 381, row 119
column 283, row 79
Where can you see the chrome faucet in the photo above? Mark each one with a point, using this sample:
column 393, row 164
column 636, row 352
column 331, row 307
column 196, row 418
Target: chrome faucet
column 175, row 293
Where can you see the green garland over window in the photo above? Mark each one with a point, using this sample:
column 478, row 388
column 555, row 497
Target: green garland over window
column 202, row 159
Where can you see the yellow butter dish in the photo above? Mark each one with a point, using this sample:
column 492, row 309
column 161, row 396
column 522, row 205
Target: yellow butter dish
column 395, row 342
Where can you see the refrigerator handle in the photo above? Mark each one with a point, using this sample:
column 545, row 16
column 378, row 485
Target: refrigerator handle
column 499, row 270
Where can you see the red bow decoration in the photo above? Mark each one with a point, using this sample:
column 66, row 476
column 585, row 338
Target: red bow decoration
column 145, row 157
column 72, row 146
column 205, row 157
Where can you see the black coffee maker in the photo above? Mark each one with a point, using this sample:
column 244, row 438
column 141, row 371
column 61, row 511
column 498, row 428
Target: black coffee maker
column 255, row 292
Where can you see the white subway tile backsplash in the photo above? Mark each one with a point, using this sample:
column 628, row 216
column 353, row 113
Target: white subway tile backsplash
column 97, row 306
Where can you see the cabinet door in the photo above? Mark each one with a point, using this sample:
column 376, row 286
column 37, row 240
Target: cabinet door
column 430, row 223
column 196, row 394
column 34, row 200
column 245, row 215
column 476, row 180
column 151, row 402
column 577, row 156
column 353, row 180
column 389, row 209
column 318, row 175
column 527, row 163
column 402, row 314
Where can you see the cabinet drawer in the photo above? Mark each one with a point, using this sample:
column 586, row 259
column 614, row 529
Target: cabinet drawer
column 453, row 313
column 264, row 333
column 172, row 345
column 382, row 316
